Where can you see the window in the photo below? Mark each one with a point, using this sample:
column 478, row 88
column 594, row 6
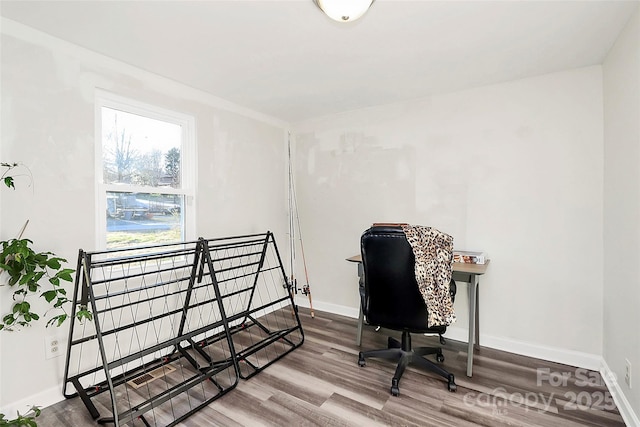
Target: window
column 145, row 172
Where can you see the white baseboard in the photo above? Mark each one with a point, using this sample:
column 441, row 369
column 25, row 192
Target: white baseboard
column 342, row 310
column 567, row 357
column 628, row 415
column 42, row 399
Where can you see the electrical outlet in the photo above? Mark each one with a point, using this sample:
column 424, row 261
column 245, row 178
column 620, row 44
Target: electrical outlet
column 52, row 347
column 627, row 372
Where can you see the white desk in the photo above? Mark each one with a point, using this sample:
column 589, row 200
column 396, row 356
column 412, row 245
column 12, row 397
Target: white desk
column 468, row 273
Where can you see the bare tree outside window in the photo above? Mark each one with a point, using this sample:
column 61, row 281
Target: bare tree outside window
column 142, row 178
column 118, row 154
column 149, row 170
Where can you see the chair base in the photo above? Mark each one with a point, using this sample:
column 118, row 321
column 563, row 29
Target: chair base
column 405, row 355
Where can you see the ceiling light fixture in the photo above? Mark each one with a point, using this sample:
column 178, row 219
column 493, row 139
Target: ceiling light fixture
column 344, row 10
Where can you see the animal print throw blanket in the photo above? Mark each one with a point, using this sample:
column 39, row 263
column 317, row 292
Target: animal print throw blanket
column 433, row 251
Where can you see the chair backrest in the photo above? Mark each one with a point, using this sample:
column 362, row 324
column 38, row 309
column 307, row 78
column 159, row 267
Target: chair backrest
column 391, row 295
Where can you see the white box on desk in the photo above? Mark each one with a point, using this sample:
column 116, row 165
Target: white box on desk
column 469, row 257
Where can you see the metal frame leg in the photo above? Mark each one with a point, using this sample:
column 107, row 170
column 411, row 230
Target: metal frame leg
column 477, row 310
column 474, row 334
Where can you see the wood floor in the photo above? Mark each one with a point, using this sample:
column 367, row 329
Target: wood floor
column 321, row 384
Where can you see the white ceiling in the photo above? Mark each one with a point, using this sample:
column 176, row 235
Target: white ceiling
column 286, row 59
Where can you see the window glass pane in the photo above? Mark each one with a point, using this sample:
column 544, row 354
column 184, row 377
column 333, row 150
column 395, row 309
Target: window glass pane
column 135, row 219
column 139, row 150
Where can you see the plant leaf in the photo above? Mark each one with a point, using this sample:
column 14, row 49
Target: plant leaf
column 8, row 181
column 61, row 319
column 66, row 275
column 84, row 314
column 49, row 295
column 54, row 263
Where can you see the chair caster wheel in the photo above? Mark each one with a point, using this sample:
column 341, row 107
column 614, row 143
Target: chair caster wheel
column 361, row 361
column 440, row 357
column 451, row 385
column 395, row 388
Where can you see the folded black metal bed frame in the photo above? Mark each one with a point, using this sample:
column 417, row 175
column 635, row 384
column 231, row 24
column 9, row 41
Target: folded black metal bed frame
column 175, row 326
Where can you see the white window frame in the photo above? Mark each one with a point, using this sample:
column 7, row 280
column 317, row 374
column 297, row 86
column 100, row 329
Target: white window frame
column 188, row 157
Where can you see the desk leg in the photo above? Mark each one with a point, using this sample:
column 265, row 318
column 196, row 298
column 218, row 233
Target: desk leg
column 359, row 333
column 477, row 325
column 473, row 318
column 361, row 315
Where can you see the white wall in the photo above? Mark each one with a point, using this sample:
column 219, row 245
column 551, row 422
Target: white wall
column 48, row 124
column 621, row 72
column 513, row 169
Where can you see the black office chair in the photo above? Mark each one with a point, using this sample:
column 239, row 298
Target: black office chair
column 392, row 300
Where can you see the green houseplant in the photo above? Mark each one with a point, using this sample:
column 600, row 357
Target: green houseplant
column 24, row 270
column 22, row 420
